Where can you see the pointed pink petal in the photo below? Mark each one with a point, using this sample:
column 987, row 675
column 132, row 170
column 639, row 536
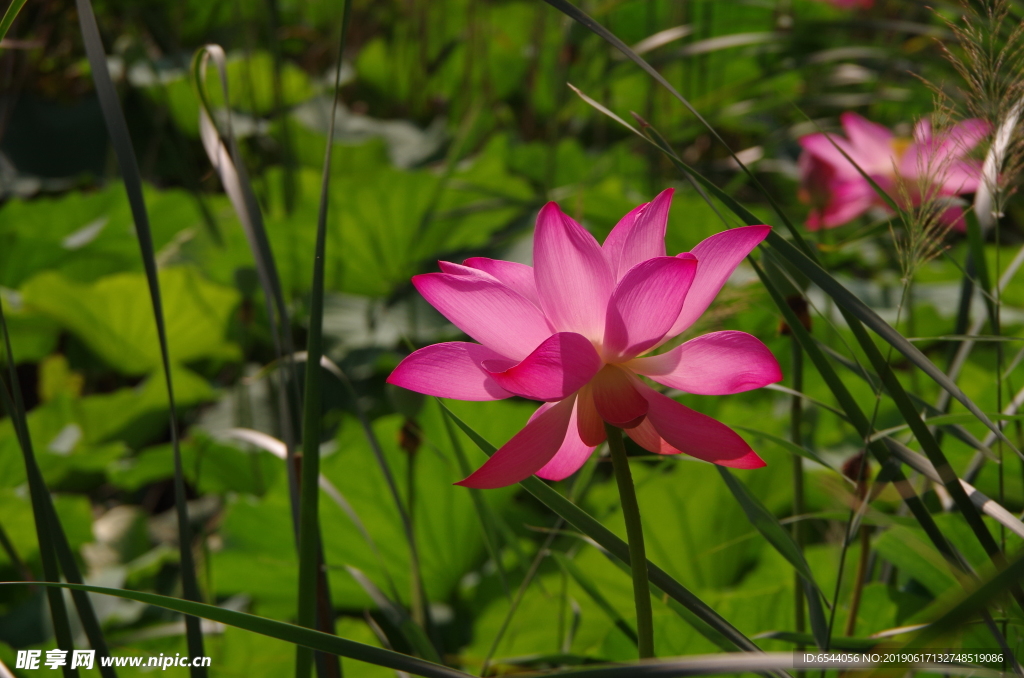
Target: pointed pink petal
column 616, row 239
column 451, row 370
column 719, row 363
column 646, row 303
column 515, row 276
column 639, row 236
column 589, row 424
column 528, row 451
column 717, row 257
column 560, row 366
column 867, row 138
column 571, row 455
column 616, row 398
column 486, row 310
column 698, row 435
column 574, row 281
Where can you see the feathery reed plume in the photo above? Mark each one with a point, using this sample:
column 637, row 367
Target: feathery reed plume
column 988, row 53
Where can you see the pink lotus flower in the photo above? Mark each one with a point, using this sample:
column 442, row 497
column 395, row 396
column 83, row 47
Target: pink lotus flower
column 572, row 331
column 924, row 168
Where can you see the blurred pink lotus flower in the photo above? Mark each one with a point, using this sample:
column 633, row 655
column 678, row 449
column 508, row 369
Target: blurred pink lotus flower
column 924, row 168
column 572, row 330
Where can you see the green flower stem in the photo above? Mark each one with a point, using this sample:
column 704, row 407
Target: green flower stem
column 635, row 538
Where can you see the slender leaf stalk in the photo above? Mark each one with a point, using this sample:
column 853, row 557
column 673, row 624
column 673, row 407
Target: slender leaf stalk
column 120, row 138
column 55, row 550
column 314, row 599
column 635, row 538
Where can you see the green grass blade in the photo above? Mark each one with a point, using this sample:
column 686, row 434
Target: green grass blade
column 604, row 537
column 595, row 594
column 12, row 554
column 290, row 633
column 976, row 252
column 54, row 546
column 44, row 531
column 313, row 596
column 119, row 137
column 769, row 527
column 39, row 496
column 9, row 16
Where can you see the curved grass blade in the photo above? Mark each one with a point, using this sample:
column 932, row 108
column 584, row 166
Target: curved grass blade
column 291, row 633
column 123, row 149
column 55, row 550
column 39, row 495
column 595, row 594
column 607, row 540
column 9, row 16
column 314, row 598
column 234, row 178
column 12, row 554
column 762, row 519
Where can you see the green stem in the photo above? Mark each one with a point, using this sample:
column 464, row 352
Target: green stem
column 635, row 538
